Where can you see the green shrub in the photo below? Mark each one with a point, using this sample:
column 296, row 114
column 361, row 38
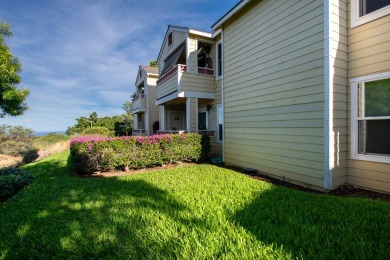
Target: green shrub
column 102, row 154
column 12, row 180
column 205, row 146
column 30, row 155
column 96, row 131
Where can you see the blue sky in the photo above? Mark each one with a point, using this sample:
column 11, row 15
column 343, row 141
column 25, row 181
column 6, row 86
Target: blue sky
column 81, row 56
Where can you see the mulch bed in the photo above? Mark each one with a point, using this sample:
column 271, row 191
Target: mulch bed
column 129, row 172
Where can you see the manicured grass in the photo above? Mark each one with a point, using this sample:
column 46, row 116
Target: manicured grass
column 196, row 212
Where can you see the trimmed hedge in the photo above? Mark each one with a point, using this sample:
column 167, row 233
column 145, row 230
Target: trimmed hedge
column 12, row 180
column 93, row 154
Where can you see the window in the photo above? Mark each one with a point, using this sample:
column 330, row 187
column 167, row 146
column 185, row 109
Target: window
column 370, row 118
column 219, row 60
column 220, row 123
column 170, row 39
column 204, row 60
column 140, row 74
column 202, row 121
column 363, row 11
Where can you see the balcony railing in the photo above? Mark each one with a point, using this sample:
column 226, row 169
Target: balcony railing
column 161, row 132
column 171, row 72
column 210, row 133
column 138, row 102
column 179, row 80
column 139, row 132
column 206, row 71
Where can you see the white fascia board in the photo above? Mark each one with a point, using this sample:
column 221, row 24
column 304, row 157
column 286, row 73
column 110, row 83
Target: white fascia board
column 166, row 99
column 200, row 33
column 216, row 33
column 195, row 94
column 228, row 15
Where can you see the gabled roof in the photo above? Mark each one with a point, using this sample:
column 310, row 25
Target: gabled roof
column 150, row 70
column 182, row 29
column 229, row 14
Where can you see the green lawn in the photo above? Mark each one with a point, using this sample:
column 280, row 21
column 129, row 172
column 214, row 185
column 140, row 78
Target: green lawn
column 195, row 212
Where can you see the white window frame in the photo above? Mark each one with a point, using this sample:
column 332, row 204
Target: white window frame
column 223, row 124
column 356, row 20
column 217, row 68
column 355, row 119
column 207, row 118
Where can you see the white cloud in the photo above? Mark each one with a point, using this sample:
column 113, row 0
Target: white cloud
column 83, row 56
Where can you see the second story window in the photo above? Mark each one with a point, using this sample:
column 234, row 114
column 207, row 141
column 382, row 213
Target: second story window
column 140, row 74
column 170, row 40
column 369, row 6
column 204, row 60
column 219, row 60
column 364, row 11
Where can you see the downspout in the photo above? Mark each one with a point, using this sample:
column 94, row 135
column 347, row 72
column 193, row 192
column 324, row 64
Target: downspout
column 222, row 93
column 328, row 99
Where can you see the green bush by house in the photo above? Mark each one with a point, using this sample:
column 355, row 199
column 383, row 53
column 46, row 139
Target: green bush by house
column 93, row 154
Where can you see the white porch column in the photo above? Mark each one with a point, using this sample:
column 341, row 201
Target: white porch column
column 135, row 121
column 191, row 114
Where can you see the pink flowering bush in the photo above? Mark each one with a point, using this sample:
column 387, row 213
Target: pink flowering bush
column 93, row 154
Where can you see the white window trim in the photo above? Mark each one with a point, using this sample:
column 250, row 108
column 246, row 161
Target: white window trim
column 207, row 118
column 216, row 60
column 356, row 20
column 354, row 119
column 223, row 125
column 196, row 56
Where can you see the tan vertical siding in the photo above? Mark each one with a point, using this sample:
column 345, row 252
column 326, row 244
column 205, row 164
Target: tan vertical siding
column 369, row 53
column 167, row 87
column 192, row 53
column 152, row 109
column 192, row 115
column 197, row 82
column 339, row 80
column 369, row 48
column 274, row 81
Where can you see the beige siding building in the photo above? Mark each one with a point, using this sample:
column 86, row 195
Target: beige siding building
column 188, row 90
column 305, row 90
column 144, row 110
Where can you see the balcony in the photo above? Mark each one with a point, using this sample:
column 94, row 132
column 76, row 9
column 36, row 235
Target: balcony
column 177, row 82
column 139, row 104
column 139, row 132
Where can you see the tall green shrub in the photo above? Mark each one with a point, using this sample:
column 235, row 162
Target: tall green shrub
column 93, row 154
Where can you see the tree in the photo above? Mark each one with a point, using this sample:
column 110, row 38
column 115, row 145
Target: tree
column 121, row 124
column 153, row 63
column 127, row 106
column 12, row 99
column 15, row 140
column 128, row 116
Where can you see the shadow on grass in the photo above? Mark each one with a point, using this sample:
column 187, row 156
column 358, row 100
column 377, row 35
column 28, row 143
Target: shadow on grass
column 318, row 226
column 90, row 218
